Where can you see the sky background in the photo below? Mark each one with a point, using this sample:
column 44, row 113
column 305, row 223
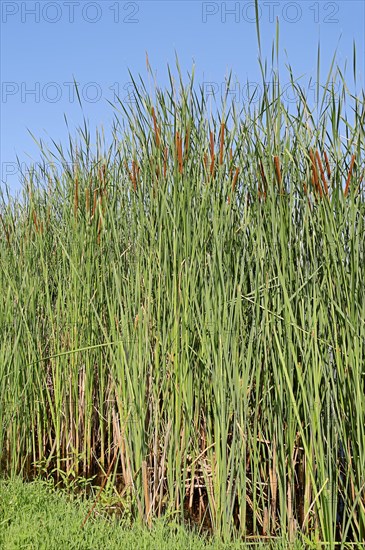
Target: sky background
column 46, row 44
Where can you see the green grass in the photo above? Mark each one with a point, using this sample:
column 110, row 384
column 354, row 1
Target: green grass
column 183, row 312
column 35, row 516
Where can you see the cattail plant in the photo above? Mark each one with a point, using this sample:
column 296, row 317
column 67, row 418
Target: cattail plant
column 201, row 358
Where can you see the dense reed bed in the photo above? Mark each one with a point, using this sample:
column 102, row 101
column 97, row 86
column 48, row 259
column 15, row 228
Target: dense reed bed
column 185, row 311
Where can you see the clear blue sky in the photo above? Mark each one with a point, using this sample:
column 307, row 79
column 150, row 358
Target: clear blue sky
column 44, row 44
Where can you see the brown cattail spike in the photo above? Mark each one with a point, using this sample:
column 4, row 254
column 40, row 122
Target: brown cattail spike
column 306, row 192
column 328, row 168
column 134, row 175
column 315, row 179
column 212, row 166
column 234, row 182
column 186, row 146
column 156, row 130
column 178, row 140
column 100, row 224
column 235, row 177
column 349, row 175
column 221, row 149
column 277, row 171
column 206, row 161
column 263, row 177
column 211, row 138
column 94, row 204
column 323, row 177
column 35, row 221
